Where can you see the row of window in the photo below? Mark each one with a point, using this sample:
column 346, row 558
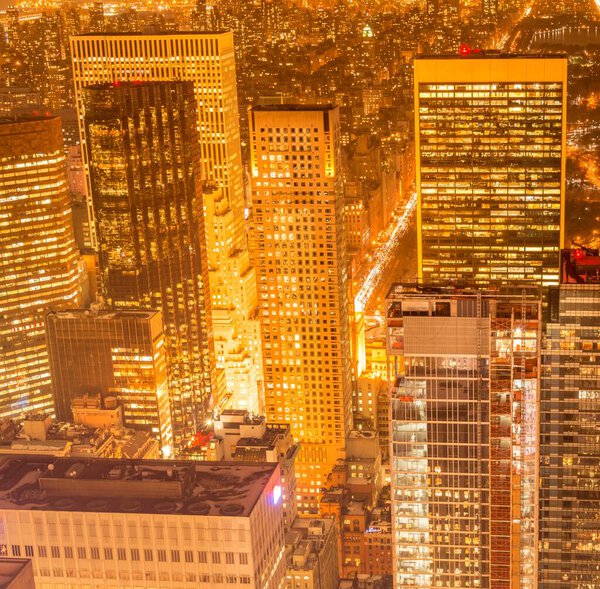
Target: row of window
column 146, row 576
column 133, row 554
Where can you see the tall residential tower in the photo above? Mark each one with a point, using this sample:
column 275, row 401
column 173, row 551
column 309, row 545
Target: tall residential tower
column 40, row 267
column 144, row 167
column 464, row 427
column 207, row 60
column 570, row 428
column 490, row 144
column 302, row 282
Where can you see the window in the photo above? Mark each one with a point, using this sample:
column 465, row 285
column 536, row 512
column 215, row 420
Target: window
column 244, row 580
column 135, row 554
column 16, row 550
column 108, row 554
column 147, row 555
column 202, row 557
column 28, row 550
column 175, row 556
column 121, row 554
column 95, row 553
column 189, row 556
column 162, row 555
column 55, row 550
column 68, row 552
column 4, row 550
column 81, row 552
column 229, row 558
column 216, row 558
column 243, row 558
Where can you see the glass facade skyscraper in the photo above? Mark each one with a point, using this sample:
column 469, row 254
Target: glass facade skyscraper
column 464, row 428
column 490, row 145
column 143, row 153
column 207, row 60
column 570, row 429
column 40, row 268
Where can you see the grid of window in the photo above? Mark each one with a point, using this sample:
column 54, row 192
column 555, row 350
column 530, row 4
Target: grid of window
column 490, row 181
column 302, row 282
column 464, row 441
column 570, row 441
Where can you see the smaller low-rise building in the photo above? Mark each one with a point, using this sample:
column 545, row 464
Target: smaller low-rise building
column 39, row 434
column 237, row 435
column 311, row 554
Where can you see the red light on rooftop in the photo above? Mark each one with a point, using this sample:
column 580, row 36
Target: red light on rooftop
column 465, row 50
column 116, row 84
column 577, row 254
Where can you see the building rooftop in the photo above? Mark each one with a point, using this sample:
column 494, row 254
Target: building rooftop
column 131, row 486
column 104, row 314
column 580, row 266
column 293, row 107
column 304, row 542
column 400, row 290
column 466, row 52
column 154, row 34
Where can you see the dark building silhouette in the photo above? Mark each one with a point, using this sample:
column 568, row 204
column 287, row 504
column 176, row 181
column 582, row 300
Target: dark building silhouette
column 143, row 153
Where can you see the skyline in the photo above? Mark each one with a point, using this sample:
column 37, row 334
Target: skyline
column 335, row 269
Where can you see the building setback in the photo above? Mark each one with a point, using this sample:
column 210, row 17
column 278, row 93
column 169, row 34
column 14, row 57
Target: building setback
column 117, row 354
column 464, row 429
column 302, row 283
column 145, row 179
column 490, row 137
column 40, row 267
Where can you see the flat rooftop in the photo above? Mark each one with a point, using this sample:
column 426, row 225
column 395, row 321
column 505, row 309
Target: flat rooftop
column 400, row 290
column 154, row 34
column 103, row 314
column 476, row 53
column 182, row 487
column 293, row 107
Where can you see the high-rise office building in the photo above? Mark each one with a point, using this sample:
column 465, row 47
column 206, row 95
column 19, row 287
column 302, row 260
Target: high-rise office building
column 207, row 60
column 144, row 166
column 490, row 144
column 144, row 523
column 302, row 282
column 570, row 429
column 118, row 354
column 40, row 267
column 464, row 427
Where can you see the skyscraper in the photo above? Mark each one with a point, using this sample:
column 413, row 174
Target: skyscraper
column 570, row 428
column 207, row 60
column 464, row 427
column 40, row 267
column 490, row 145
column 144, row 166
column 117, row 354
column 302, row 282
